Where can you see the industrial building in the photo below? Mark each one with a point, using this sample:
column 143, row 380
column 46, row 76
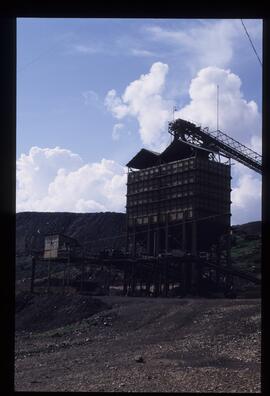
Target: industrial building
column 59, row 246
column 178, row 229
column 178, row 201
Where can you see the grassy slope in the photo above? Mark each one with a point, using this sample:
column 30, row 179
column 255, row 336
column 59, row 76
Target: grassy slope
column 246, row 255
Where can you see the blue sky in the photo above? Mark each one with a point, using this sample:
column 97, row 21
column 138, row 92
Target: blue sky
column 92, row 92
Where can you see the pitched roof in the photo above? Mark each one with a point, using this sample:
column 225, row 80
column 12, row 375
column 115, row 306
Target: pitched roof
column 177, row 150
column 143, row 159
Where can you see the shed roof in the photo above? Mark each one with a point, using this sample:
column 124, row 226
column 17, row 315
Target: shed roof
column 143, row 159
column 177, row 150
column 56, row 234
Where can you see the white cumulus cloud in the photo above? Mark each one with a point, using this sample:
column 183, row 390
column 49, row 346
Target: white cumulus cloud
column 246, row 195
column 143, row 100
column 238, row 117
column 37, row 169
column 57, row 180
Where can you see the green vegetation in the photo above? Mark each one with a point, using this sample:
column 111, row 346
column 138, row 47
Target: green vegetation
column 246, row 254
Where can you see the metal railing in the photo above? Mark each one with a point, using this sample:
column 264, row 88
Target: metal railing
column 218, row 140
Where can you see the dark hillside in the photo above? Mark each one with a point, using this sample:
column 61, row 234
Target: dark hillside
column 252, row 228
column 85, row 227
column 97, row 231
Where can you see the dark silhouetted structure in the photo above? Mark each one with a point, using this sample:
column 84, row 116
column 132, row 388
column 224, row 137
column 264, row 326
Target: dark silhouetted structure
column 57, row 246
column 178, row 201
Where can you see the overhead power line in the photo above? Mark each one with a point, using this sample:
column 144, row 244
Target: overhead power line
column 44, row 52
column 38, row 57
column 254, row 49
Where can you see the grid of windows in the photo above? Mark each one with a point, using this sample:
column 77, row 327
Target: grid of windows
column 191, row 185
column 161, row 218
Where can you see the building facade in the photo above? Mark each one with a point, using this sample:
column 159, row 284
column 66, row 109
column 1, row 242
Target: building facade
column 58, row 246
column 177, row 200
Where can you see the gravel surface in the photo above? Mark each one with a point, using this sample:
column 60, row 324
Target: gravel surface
column 147, row 344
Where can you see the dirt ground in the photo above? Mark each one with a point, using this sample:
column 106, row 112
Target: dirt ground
column 136, row 344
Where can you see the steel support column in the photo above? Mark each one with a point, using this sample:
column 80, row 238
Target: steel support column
column 167, row 233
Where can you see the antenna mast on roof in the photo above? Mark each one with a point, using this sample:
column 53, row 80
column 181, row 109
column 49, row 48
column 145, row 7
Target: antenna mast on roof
column 174, row 110
column 217, row 106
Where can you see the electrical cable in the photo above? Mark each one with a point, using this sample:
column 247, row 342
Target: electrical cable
column 254, row 49
column 53, row 47
column 38, row 57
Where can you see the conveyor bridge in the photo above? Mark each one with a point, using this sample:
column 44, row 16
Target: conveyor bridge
column 216, row 141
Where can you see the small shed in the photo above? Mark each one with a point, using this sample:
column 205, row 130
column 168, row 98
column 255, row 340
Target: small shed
column 57, row 246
